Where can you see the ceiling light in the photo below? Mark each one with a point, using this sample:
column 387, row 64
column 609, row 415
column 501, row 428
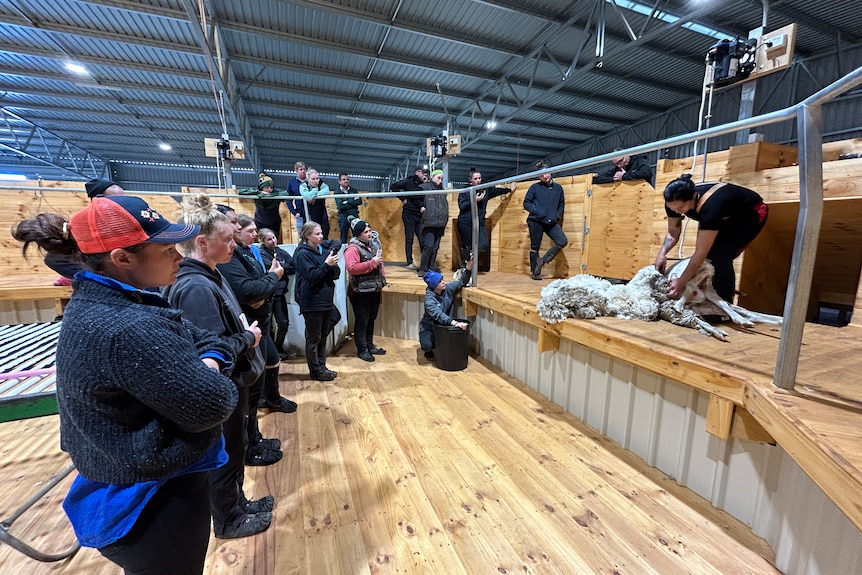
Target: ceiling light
column 12, row 177
column 492, row 124
column 76, row 69
column 165, row 147
column 353, row 118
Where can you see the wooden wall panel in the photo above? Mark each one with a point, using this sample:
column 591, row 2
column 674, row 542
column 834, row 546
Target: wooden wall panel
column 620, row 220
column 513, row 239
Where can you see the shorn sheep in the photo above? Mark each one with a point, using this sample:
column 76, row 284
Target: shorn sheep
column 645, row 298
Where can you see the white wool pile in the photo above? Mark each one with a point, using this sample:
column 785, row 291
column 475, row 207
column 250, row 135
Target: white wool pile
column 587, row 297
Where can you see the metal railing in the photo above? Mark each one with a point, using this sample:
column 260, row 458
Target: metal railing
column 808, row 114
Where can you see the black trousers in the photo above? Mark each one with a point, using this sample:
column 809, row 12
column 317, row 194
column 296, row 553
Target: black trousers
column 732, row 238
column 538, row 230
column 171, row 535
column 465, row 232
column 411, row 222
column 265, row 386
column 282, row 321
column 430, row 245
column 317, row 328
column 226, row 497
column 365, row 308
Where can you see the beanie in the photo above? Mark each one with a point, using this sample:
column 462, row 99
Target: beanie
column 358, row 226
column 97, row 187
column 264, row 181
column 432, row 278
column 436, row 172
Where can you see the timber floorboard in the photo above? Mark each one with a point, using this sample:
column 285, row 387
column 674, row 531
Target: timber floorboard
column 398, row 467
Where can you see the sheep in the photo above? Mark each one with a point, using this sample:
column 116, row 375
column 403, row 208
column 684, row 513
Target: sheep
column 645, row 298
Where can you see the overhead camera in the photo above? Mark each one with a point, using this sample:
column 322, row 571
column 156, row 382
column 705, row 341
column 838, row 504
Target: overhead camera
column 224, row 149
column 437, row 146
column 730, row 61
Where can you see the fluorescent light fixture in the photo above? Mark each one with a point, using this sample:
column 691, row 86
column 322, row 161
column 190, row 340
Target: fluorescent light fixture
column 165, row 147
column 492, row 124
column 12, row 177
column 77, row 69
column 353, row 118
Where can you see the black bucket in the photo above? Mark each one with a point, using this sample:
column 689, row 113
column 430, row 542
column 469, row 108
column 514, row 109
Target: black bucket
column 451, row 346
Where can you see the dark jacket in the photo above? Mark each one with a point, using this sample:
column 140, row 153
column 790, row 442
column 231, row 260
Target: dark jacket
column 286, row 262
column 315, row 279
column 294, row 206
column 347, row 206
column 251, row 284
column 464, row 213
column 638, row 169
column 208, row 302
column 410, row 184
column 545, row 202
column 436, row 214
column 266, row 208
column 439, row 307
column 136, row 402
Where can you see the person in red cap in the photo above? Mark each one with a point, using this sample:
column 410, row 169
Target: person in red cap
column 141, row 393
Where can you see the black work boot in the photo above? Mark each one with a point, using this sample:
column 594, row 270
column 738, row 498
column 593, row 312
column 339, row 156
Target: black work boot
column 535, row 266
column 249, row 524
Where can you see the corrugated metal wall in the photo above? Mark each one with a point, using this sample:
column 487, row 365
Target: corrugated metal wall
column 663, row 422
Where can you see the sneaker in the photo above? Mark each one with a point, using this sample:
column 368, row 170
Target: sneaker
column 273, row 443
column 429, row 355
column 281, row 404
column 257, row 457
column 365, row 356
column 322, row 376
column 250, row 524
column 376, row 350
column 421, row 273
column 412, row 266
column 284, row 357
column 262, row 505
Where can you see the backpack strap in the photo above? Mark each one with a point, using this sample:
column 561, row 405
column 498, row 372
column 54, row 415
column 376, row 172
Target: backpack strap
column 707, row 194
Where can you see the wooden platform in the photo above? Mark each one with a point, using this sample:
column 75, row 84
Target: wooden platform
column 408, row 469
column 819, row 423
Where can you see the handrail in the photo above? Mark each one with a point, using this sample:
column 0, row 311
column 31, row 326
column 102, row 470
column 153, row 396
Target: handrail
column 808, row 114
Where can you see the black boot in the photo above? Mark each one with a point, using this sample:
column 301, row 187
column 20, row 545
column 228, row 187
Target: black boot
column 549, row 255
column 535, row 266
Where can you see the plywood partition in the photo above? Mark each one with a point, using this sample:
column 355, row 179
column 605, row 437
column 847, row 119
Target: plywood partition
column 513, row 240
column 52, row 197
column 619, row 220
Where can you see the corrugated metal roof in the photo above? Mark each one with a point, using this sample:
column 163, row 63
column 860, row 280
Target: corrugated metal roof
column 355, row 83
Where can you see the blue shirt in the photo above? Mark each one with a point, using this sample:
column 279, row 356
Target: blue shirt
column 102, row 513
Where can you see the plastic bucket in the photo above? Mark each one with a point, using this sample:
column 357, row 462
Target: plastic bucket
column 451, row 346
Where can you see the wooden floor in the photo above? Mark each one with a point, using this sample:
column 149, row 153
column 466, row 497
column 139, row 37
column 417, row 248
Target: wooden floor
column 398, row 467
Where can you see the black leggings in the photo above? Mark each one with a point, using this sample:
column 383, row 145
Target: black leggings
column 317, row 328
column 171, row 535
column 732, row 238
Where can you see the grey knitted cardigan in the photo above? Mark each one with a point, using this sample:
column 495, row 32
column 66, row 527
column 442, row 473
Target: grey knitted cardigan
column 136, row 402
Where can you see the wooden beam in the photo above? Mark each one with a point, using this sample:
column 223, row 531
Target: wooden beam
column 719, row 416
column 745, row 426
column 548, row 340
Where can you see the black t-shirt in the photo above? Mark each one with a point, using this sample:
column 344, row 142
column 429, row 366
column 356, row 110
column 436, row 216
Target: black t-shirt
column 726, row 203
